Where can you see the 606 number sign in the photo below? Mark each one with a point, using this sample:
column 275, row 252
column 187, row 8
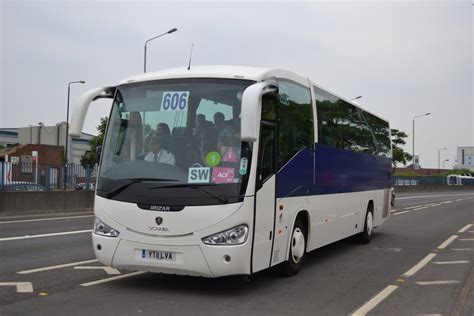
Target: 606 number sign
column 175, row 101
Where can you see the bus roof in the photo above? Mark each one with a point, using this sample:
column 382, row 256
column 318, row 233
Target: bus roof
column 217, row 71
column 232, row 72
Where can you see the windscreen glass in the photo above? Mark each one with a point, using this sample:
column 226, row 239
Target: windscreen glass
column 168, row 138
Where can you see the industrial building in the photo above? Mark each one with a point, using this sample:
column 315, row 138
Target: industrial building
column 46, row 135
column 465, row 158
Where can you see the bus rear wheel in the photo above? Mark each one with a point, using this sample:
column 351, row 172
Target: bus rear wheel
column 297, row 250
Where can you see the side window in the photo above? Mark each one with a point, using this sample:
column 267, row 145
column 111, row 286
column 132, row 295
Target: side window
column 351, row 126
column 345, row 126
column 380, row 133
column 269, row 108
column 267, row 157
column 356, row 132
column 329, row 116
column 295, row 120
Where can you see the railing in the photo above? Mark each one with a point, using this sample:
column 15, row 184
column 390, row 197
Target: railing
column 419, row 180
column 26, row 176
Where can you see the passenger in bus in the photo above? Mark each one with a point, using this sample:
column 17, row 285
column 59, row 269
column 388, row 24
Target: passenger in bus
column 220, row 125
column 201, row 124
column 162, row 129
column 227, row 150
column 207, row 142
column 159, row 154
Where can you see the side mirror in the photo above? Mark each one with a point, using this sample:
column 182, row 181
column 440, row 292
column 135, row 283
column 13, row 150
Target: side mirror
column 80, row 110
column 252, row 108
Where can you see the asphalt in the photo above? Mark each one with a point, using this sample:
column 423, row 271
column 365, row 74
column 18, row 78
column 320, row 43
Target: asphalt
column 338, row 279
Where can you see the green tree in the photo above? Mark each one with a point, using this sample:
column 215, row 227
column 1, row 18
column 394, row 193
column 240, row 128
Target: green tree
column 90, row 156
column 398, row 154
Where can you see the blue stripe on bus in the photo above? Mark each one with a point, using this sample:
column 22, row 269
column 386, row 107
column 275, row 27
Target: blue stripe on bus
column 329, row 170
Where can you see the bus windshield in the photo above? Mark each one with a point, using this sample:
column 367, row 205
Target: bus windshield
column 166, row 138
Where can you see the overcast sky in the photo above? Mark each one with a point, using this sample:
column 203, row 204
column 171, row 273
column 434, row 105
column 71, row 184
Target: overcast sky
column 404, row 57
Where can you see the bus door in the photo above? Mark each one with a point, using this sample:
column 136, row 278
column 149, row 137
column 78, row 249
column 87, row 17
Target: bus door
column 265, row 197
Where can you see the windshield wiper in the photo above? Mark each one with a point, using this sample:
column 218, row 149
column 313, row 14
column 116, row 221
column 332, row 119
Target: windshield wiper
column 198, row 186
column 149, row 179
column 180, row 185
column 122, row 187
column 221, row 198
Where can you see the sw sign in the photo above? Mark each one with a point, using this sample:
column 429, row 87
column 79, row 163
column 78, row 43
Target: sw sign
column 199, row 175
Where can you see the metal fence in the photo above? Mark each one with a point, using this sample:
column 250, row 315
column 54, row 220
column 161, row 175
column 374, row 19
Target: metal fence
column 42, row 176
column 425, row 180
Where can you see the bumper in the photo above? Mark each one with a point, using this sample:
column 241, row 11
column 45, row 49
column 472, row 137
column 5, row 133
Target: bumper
column 193, row 259
column 188, row 227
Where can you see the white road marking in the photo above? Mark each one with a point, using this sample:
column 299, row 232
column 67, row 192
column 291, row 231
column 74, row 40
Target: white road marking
column 45, row 219
column 401, row 212
column 446, row 243
column 462, row 230
column 437, row 282
column 373, row 302
column 391, row 211
column 412, row 207
column 113, row 278
column 108, row 270
column 462, row 249
column 21, row 287
column 466, row 239
column 420, row 208
column 458, row 200
column 59, row 266
column 432, row 195
column 451, row 262
column 446, row 202
column 46, row 235
column 419, row 265
column 470, row 231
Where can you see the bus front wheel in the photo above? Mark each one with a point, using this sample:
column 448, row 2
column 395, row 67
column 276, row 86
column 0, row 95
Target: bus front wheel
column 364, row 236
column 297, row 249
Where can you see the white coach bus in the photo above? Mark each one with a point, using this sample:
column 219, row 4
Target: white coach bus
column 229, row 170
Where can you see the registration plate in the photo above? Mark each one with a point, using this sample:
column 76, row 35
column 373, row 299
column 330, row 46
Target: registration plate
column 158, row 255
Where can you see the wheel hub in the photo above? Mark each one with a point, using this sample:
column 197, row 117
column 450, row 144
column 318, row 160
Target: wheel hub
column 369, row 223
column 297, row 245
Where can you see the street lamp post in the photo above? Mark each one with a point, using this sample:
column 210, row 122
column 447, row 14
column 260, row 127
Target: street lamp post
column 439, row 152
column 413, row 135
column 66, row 154
column 444, row 162
column 144, row 59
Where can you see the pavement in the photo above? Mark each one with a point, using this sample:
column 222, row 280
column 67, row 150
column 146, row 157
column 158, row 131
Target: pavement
column 419, row 263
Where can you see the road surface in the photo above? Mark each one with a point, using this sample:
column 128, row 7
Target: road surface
column 420, row 262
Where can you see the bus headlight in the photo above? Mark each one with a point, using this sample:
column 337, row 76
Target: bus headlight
column 102, row 229
column 234, row 236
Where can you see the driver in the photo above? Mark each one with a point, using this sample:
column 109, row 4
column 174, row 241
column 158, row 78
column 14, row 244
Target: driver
column 158, row 154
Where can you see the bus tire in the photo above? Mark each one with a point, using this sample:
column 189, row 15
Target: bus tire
column 297, row 249
column 366, row 234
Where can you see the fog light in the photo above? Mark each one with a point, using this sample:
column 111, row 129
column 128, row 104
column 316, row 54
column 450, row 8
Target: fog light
column 227, row 258
column 99, row 247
